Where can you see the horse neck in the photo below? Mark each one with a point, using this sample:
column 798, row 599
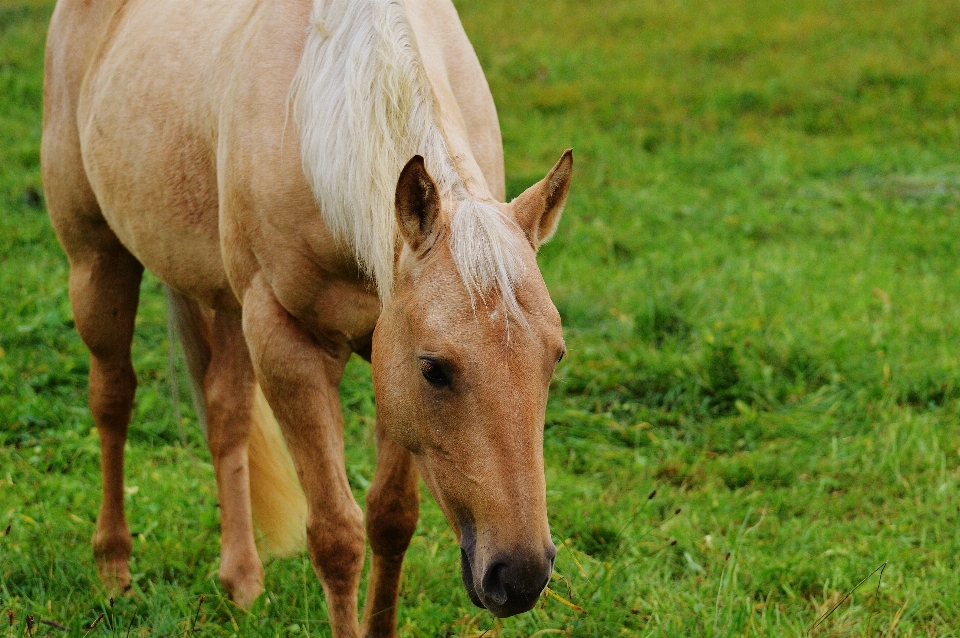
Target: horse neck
column 447, row 117
column 445, row 111
column 366, row 100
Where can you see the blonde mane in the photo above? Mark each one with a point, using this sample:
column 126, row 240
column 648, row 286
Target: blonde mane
column 364, row 106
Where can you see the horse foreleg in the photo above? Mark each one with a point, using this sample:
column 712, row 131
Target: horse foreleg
column 229, row 388
column 104, row 292
column 300, row 376
column 393, row 507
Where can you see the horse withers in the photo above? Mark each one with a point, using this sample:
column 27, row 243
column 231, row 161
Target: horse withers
column 255, row 155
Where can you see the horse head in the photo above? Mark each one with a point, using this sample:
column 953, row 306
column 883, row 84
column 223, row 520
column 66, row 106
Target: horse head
column 463, row 354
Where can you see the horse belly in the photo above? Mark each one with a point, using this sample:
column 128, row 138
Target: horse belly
column 165, row 213
column 147, row 140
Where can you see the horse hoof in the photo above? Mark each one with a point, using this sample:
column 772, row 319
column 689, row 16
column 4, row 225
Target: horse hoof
column 244, row 594
column 243, row 581
column 115, row 575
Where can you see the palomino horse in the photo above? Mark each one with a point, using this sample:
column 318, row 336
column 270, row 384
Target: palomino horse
column 249, row 153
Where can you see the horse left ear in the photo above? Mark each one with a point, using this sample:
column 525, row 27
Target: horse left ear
column 417, row 205
column 537, row 210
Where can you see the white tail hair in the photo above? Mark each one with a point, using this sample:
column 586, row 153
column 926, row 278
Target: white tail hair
column 276, row 499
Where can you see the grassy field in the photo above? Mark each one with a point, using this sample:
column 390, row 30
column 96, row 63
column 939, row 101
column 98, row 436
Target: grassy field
column 758, row 276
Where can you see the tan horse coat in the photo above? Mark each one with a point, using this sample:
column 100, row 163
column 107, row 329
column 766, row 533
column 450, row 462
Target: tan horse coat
column 170, row 143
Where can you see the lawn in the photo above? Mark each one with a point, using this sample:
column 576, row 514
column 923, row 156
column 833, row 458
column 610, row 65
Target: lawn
column 757, row 272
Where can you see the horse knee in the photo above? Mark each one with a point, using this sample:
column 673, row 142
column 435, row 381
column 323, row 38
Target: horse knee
column 112, row 390
column 228, row 388
column 391, row 520
column 336, row 544
column 228, row 425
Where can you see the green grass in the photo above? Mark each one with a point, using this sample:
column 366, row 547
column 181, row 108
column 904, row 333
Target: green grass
column 758, row 276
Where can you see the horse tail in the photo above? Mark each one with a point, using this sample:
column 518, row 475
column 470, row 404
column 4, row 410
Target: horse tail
column 277, row 502
column 191, row 325
column 276, row 498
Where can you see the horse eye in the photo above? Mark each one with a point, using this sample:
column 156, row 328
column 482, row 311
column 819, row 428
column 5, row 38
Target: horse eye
column 433, row 372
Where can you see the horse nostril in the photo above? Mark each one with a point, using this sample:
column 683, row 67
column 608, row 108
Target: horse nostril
column 551, row 553
column 493, row 583
column 513, row 584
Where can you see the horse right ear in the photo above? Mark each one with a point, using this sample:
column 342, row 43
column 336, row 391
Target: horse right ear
column 418, row 205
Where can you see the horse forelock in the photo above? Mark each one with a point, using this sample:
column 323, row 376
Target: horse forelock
column 487, row 248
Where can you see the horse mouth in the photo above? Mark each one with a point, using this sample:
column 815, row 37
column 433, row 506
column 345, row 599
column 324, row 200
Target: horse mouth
column 466, row 572
column 468, row 544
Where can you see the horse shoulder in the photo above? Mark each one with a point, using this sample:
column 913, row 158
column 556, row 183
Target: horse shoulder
column 269, row 219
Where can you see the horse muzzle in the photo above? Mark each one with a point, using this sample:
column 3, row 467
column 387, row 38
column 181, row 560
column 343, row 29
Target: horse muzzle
column 508, row 583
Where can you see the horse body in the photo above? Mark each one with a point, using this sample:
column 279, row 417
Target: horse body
column 180, row 99
column 170, row 143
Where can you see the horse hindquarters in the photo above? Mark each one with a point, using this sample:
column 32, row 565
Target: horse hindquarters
column 104, row 292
